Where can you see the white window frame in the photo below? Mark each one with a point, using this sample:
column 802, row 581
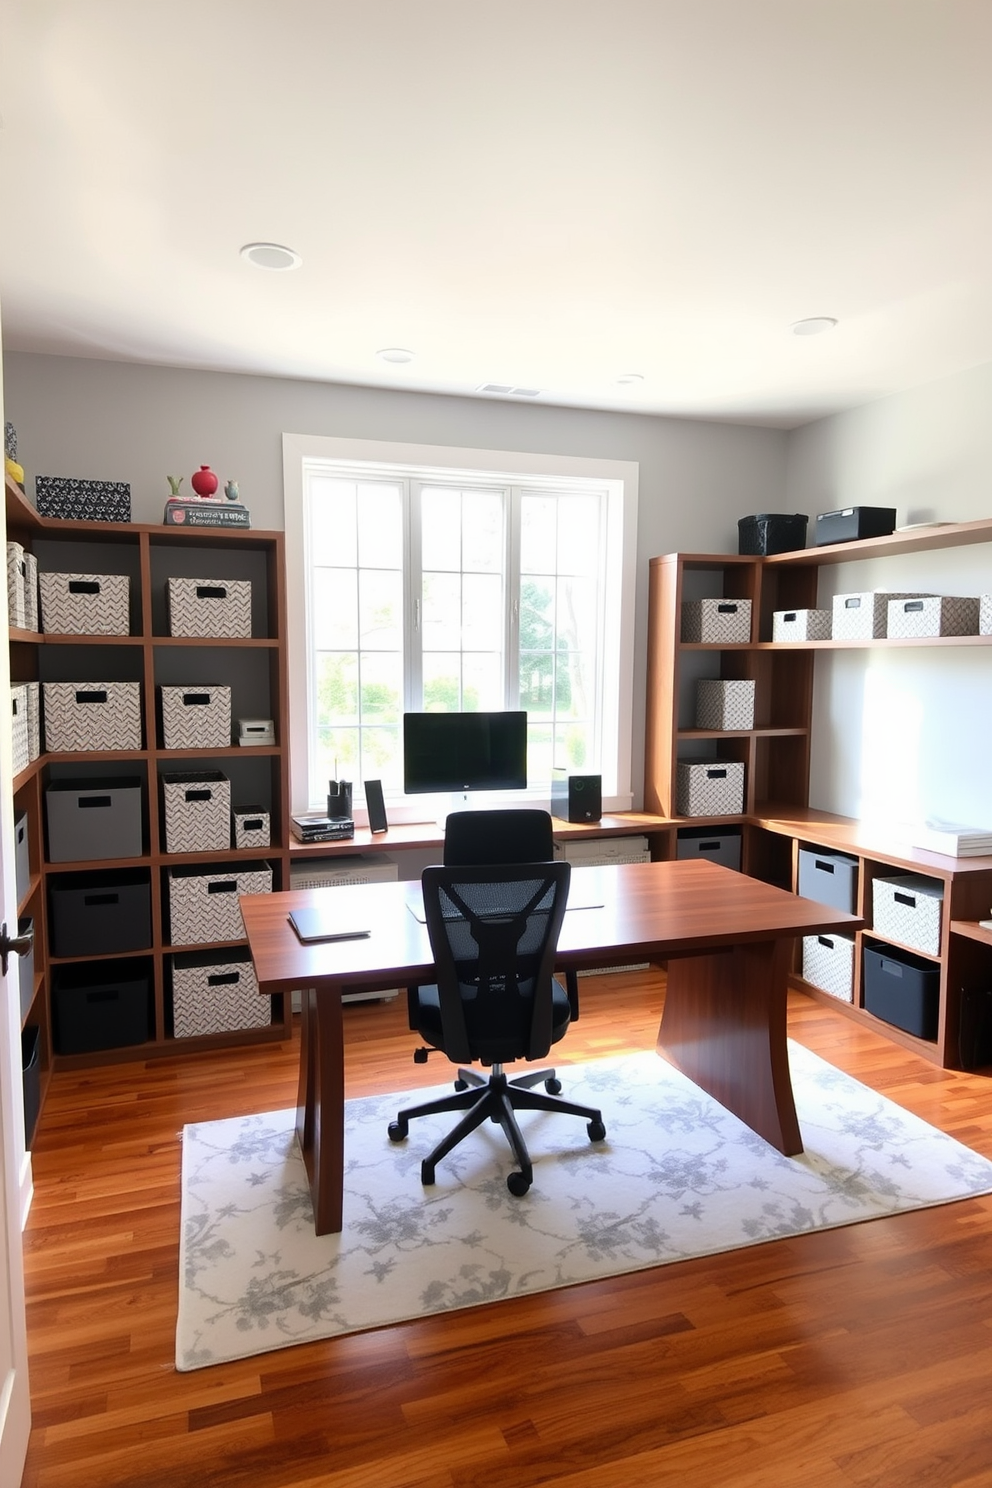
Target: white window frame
column 453, row 462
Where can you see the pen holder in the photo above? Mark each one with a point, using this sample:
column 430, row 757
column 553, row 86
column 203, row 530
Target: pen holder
column 339, row 798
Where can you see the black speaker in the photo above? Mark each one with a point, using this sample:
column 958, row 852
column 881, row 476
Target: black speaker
column 576, row 798
column 376, row 806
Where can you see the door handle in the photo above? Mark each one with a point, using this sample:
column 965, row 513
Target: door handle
column 20, row 945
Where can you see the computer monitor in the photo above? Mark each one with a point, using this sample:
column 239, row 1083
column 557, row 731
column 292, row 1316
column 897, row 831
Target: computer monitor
column 458, row 752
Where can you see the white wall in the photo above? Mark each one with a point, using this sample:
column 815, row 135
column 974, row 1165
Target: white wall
column 110, row 421
column 904, row 735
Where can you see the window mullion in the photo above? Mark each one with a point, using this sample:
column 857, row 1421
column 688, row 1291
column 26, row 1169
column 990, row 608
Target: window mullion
column 511, row 645
column 413, row 591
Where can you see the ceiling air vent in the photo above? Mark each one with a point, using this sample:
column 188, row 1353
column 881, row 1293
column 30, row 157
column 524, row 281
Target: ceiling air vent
column 504, row 388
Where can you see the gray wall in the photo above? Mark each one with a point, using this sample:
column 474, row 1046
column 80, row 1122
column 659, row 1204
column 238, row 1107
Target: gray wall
column 110, row 421
column 904, row 735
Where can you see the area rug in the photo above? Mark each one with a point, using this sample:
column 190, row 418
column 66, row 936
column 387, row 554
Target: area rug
column 677, row 1176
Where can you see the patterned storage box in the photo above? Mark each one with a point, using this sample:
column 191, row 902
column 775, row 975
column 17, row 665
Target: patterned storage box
column 802, row 625
column 828, row 963
column 197, row 811
column 709, row 788
column 82, row 500
column 203, row 906
column 16, row 576
column 209, row 607
column 196, row 717
column 724, row 705
column 212, row 996
column 940, row 615
column 19, row 727
column 722, row 621
column 864, row 616
column 30, row 592
column 907, row 908
column 84, row 604
column 33, row 691
column 985, row 615
column 83, row 716
column 252, row 827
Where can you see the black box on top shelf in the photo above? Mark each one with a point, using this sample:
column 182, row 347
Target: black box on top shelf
column 106, row 1006
column 95, row 914
column 853, row 522
column 903, row 989
column 771, row 532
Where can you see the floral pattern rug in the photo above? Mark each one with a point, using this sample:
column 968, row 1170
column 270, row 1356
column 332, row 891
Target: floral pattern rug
column 677, row 1176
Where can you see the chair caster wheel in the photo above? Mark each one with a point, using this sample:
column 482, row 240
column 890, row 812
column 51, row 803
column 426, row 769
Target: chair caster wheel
column 398, row 1131
column 553, row 1086
column 596, row 1130
column 461, row 1084
column 518, row 1184
column 426, row 1174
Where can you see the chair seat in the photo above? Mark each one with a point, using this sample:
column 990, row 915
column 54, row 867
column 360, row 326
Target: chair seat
column 500, row 1037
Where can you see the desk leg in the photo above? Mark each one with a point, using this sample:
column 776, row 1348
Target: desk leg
column 320, row 1105
column 724, row 1025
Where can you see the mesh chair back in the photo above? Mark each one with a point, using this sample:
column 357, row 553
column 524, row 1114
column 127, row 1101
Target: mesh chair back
column 493, row 932
column 516, row 835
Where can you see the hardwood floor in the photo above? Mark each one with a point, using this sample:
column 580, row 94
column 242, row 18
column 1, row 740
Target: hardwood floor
column 859, row 1356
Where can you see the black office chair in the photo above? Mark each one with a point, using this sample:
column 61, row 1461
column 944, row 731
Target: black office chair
column 493, row 933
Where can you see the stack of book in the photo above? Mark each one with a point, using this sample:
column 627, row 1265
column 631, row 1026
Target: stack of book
column 315, row 828
column 952, row 838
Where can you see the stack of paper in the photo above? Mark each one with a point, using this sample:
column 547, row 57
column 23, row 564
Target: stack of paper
column 954, row 839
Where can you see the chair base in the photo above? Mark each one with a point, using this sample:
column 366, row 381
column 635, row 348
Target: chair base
column 496, row 1099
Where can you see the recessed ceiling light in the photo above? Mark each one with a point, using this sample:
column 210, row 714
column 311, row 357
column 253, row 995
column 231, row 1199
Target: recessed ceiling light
column 271, row 256
column 814, row 326
column 630, row 377
column 395, row 354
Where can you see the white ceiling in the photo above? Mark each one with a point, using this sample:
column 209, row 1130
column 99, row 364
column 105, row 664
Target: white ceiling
column 539, row 193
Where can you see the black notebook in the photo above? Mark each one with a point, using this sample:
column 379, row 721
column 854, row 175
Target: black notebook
column 324, row 924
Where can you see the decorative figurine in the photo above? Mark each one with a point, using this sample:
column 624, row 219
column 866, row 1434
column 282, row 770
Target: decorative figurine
column 204, row 482
column 231, row 491
column 175, row 481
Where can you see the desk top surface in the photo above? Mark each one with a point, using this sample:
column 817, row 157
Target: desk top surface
column 638, row 910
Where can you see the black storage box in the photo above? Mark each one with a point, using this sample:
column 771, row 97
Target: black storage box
column 903, row 989
column 712, row 845
column 854, row 522
column 771, row 532
column 82, row 500
column 101, row 1007
column 31, row 1069
column 975, row 1028
column 95, row 914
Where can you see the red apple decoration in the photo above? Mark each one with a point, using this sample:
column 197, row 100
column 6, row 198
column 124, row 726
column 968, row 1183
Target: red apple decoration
column 204, row 482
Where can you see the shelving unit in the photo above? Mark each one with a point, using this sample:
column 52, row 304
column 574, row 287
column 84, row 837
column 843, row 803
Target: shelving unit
column 255, row 669
column 777, row 819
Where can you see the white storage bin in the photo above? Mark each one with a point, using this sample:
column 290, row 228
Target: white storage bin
column 210, row 995
column 196, row 717
column 802, row 625
column 907, row 908
column 84, row 604
column 84, row 716
column 940, row 615
column 203, row 906
column 30, row 591
column 252, row 827
column 33, row 690
column 16, row 574
column 709, row 788
column 724, row 705
column 828, row 963
column 209, row 607
column 716, row 620
column 197, row 811
column 864, row 616
column 985, row 615
column 21, row 736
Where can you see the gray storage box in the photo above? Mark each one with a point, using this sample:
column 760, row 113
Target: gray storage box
column 84, row 716
column 251, row 827
column 210, row 995
column 710, row 788
column 940, row 615
column 197, row 811
column 903, row 990
column 209, row 607
column 829, row 878
column 907, row 908
column 714, row 847
column 22, row 856
column 98, row 914
column 20, row 730
column 25, row 967
column 724, row 705
column 196, row 717
column 864, row 615
column 203, row 906
column 94, row 819
column 84, row 604
column 802, row 625
column 828, row 963
column 716, row 620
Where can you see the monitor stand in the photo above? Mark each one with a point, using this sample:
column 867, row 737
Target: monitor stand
column 454, row 801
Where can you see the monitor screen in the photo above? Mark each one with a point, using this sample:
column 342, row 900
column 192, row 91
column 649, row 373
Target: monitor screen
column 464, row 752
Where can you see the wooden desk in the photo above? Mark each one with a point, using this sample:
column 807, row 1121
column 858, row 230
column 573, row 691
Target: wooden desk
column 727, row 939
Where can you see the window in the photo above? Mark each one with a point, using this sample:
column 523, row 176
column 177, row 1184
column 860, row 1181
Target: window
column 428, row 579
